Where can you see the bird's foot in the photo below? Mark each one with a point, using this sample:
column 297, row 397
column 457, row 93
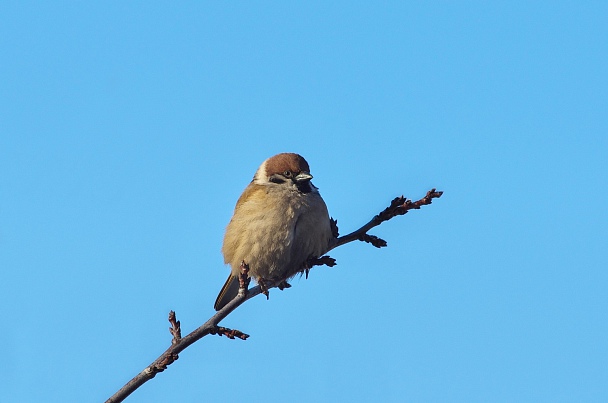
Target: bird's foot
column 283, row 285
column 264, row 287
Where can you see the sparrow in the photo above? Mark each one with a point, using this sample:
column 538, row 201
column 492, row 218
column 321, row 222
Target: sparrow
column 279, row 223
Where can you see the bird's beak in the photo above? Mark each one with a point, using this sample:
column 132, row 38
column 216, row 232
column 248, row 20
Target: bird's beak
column 303, row 176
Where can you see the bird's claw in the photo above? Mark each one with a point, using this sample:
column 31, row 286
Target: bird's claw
column 283, row 285
column 264, row 287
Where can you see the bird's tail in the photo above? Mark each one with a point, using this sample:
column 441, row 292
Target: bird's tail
column 228, row 292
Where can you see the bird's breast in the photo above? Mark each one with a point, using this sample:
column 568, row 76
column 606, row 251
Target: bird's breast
column 275, row 232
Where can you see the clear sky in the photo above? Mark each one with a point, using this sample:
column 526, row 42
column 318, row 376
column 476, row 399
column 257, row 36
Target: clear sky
column 129, row 129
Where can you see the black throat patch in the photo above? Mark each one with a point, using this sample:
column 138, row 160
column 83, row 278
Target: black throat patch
column 304, row 186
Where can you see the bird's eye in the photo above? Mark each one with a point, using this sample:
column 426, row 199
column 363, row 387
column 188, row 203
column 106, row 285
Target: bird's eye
column 287, row 174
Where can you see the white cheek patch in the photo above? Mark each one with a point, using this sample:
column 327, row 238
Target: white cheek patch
column 260, row 176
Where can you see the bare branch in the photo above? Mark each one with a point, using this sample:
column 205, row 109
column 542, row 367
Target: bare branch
column 398, row 206
column 334, row 227
column 230, row 333
column 172, row 353
column 175, row 328
column 374, row 240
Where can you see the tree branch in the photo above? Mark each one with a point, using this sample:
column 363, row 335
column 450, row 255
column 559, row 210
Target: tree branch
column 398, row 206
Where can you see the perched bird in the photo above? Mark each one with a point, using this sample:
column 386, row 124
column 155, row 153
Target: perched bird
column 279, row 222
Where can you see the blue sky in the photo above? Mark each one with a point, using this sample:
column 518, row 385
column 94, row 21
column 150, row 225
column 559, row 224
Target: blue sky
column 128, row 131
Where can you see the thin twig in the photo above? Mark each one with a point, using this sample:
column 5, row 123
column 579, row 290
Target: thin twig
column 398, row 206
column 172, row 353
column 175, row 328
column 230, row 333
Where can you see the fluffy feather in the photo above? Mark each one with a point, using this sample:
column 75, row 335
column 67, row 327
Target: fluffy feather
column 279, row 222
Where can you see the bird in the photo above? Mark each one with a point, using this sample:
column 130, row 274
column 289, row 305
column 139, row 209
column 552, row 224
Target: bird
column 280, row 221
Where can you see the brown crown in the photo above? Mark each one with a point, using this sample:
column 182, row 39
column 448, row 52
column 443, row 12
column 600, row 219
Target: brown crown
column 286, row 162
